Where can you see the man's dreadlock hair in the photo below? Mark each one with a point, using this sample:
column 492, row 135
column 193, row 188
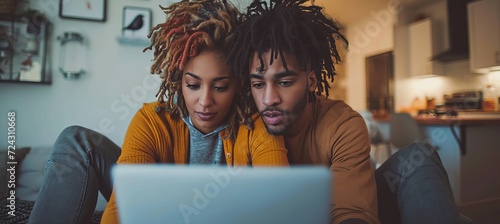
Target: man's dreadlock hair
column 191, row 27
column 289, row 26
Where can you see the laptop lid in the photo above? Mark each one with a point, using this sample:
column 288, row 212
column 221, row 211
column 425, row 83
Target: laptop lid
column 157, row 193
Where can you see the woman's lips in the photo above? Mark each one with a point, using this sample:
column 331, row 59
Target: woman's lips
column 272, row 117
column 205, row 116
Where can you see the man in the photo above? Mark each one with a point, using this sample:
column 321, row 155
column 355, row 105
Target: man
column 288, row 50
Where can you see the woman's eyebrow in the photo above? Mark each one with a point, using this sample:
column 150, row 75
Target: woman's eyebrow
column 193, row 75
column 214, row 80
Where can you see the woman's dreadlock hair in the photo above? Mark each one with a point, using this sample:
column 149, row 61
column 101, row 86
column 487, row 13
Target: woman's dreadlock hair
column 191, row 27
column 289, row 26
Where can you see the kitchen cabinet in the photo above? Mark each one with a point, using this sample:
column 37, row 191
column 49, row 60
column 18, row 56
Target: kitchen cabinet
column 421, row 49
column 484, row 35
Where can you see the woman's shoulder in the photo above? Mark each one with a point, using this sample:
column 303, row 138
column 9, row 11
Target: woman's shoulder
column 154, row 106
column 257, row 122
column 258, row 127
column 156, row 111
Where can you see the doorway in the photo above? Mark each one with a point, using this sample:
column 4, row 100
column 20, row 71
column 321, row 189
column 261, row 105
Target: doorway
column 380, row 84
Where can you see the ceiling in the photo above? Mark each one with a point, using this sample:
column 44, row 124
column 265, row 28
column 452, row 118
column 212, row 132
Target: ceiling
column 349, row 11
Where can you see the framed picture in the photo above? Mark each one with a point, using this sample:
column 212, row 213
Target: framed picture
column 23, row 51
column 92, row 10
column 136, row 22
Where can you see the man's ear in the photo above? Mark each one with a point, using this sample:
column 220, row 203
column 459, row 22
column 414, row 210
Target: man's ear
column 311, row 81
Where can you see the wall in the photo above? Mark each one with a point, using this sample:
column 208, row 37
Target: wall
column 116, row 84
column 369, row 37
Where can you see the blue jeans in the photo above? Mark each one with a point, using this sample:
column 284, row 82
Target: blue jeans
column 78, row 168
column 413, row 187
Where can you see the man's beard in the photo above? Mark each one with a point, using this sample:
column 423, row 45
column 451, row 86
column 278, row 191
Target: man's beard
column 290, row 116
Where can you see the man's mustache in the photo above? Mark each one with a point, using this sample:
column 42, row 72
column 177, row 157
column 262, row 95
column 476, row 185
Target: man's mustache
column 273, row 109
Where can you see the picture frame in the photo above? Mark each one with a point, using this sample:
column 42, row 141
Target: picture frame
column 136, row 22
column 23, row 52
column 90, row 10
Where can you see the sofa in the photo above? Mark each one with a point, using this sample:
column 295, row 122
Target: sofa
column 28, row 179
column 29, row 176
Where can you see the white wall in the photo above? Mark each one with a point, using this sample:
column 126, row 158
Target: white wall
column 105, row 99
column 370, row 36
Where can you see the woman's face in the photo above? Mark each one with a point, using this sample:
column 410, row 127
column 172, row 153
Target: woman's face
column 208, row 87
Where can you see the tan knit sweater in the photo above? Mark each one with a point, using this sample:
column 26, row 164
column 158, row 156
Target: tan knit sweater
column 332, row 134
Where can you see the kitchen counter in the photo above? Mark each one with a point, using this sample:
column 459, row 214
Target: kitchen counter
column 469, row 148
column 462, row 122
column 463, row 118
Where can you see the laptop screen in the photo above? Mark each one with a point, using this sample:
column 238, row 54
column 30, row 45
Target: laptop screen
column 157, row 193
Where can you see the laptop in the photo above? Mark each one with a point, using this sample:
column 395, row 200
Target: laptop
column 160, row 193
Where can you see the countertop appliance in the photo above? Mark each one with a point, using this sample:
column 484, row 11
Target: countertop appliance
column 455, row 103
column 463, row 101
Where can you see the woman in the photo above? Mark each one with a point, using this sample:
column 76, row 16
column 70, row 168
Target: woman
column 198, row 119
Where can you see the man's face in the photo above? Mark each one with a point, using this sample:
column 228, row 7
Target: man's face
column 280, row 95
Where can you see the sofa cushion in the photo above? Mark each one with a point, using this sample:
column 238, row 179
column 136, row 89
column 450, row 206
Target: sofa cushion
column 7, row 160
column 32, row 170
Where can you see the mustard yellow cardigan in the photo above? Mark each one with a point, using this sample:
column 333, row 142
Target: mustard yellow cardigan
column 156, row 137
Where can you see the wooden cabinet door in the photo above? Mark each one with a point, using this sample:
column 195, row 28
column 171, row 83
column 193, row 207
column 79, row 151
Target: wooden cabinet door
column 484, row 35
column 421, row 49
column 379, row 83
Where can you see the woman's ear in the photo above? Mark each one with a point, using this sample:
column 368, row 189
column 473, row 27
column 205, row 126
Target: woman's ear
column 311, row 81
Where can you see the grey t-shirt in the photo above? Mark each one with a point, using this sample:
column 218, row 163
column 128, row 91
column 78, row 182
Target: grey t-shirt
column 205, row 148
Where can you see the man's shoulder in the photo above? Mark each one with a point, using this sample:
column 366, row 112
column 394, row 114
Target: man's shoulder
column 335, row 115
column 330, row 108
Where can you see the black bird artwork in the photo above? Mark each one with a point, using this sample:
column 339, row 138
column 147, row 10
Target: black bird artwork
column 136, row 24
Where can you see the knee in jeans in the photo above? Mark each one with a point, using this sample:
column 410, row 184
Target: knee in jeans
column 49, row 164
column 69, row 138
column 421, row 151
column 79, row 134
column 73, row 130
column 423, row 147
